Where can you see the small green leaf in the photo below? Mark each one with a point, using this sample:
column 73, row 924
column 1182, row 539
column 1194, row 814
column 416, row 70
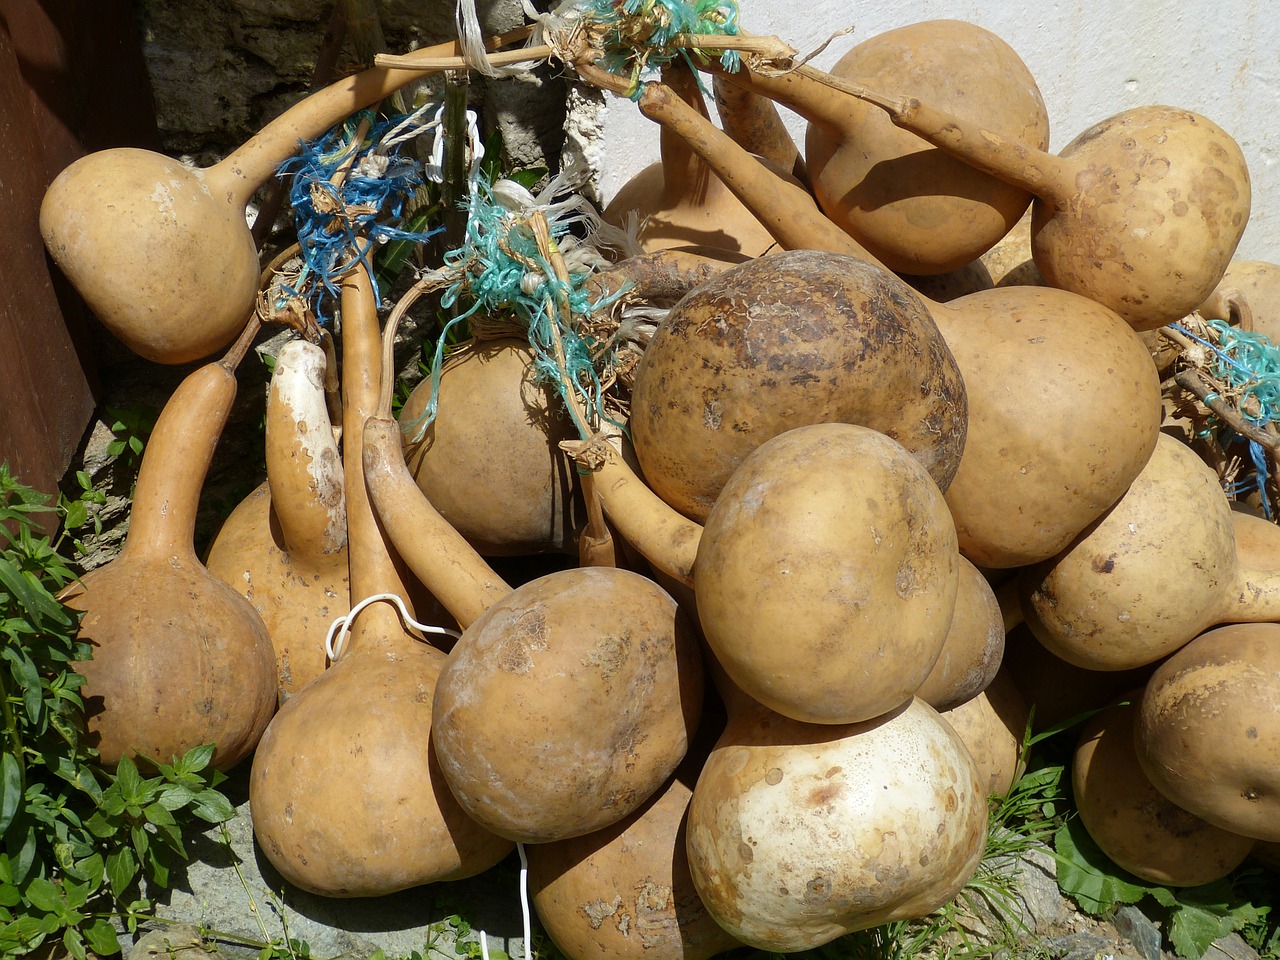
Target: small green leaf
column 74, row 943
column 44, row 895
column 213, row 807
column 102, row 938
column 10, row 790
column 77, row 515
column 129, row 781
column 122, row 867
column 1086, row 874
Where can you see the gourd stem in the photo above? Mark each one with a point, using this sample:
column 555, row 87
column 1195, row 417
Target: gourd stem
column 807, row 90
column 240, row 349
column 251, row 164
column 787, row 210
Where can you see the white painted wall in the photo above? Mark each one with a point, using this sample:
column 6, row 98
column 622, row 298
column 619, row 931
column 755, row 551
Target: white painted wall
column 1090, row 59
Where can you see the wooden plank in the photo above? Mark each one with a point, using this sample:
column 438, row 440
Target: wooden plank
column 71, row 77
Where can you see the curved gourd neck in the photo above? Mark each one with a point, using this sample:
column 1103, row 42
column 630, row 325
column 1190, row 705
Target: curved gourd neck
column 685, row 174
column 787, row 210
column 753, row 122
column 162, row 522
column 246, row 168
column 304, row 469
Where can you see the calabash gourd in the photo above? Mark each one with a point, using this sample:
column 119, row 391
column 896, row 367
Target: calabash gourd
column 1157, row 569
column 179, row 658
column 827, row 574
column 285, row 546
column 1135, row 824
column 799, row 833
column 1023, row 488
column 1206, row 728
column 160, row 251
column 914, row 207
column 359, row 735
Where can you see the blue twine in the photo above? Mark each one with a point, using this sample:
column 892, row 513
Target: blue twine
column 331, row 243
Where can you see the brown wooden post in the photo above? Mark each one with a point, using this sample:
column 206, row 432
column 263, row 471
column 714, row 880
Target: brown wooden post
column 72, row 78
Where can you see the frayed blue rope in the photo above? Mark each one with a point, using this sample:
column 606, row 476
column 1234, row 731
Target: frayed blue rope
column 338, row 233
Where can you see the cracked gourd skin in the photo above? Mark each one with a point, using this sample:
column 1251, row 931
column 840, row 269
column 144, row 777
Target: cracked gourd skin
column 179, row 658
column 625, row 891
column 600, row 681
column 1207, row 728
column 827, row 573
column 800, row 833
column 782, row 341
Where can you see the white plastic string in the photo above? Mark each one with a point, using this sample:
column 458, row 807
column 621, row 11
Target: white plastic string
column 524, row 900
column 336, row 639
column 472, row 36
column 433, row 169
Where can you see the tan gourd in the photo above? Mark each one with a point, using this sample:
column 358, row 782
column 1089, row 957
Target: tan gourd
column 827, row 573
column 1064, row 401
column 743, row 357
column 490, row 460
column 993, row 726
column 600, row 682
column 1141, row 212
column 160, row 251
column 678, row 200
column 1258, row 282
column 285, row 546
column 357, row 738
column 1206, row 731
column 974, row 646
column 179, row 658
column 753, row 122
column 799, row 833
column 625, row 891
column 1135, row 824
column 1157, row 569
column 917, row 209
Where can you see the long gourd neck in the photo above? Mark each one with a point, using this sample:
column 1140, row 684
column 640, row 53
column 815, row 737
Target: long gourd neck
column 823, row 98
column 246, row 168
column 372, row 570
column 166, row 497
column 304, row 468
column 752, row 121
column 787, row 210
column 684, row 171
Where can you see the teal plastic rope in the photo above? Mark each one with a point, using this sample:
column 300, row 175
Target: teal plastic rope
column 1249, row 364
column 502, row 271
column 639, row 35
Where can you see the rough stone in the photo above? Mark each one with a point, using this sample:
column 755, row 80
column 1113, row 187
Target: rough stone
column 230, row 894
column 1136, row 927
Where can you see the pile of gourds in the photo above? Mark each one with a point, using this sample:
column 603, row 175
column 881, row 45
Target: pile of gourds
column 767, row 699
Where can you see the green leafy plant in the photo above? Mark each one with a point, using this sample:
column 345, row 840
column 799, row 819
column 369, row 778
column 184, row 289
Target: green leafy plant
column 131, row 424
column 74, row 838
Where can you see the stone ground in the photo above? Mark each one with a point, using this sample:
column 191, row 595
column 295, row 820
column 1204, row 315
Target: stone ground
column 213, row 894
